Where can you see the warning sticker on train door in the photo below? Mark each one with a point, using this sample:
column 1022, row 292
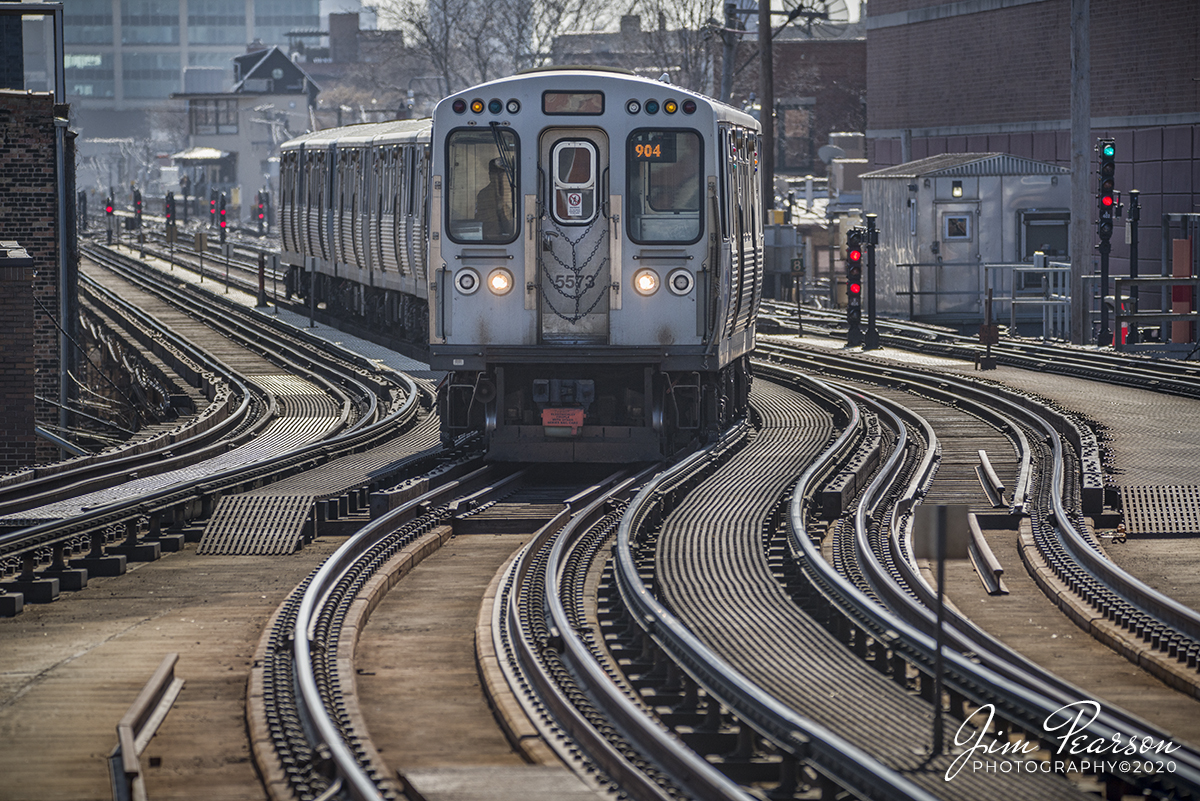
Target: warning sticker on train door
column 574, row 204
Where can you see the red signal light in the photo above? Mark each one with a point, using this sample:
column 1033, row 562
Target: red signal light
column 855, row 255
column 855, row 288
column 1106, row 200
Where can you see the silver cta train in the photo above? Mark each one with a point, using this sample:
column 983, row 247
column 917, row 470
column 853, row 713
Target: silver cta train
column 581, row 250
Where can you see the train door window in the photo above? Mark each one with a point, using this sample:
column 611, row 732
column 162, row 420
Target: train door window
column 664, row 173
column 482, row 186
column 574, row 175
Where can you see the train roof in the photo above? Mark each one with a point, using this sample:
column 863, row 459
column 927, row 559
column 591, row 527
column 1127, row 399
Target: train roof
column 576, row 78
column 364, row 133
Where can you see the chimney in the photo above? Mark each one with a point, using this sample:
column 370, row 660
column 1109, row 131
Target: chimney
column 631, row 25
column 343, row 38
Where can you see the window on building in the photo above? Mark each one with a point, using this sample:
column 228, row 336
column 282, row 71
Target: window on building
column 956, row 227
column 89, row 74
column 148, row 22
column 1044, row 230
column 217, row 22
column 208, row 117
column 88, row 22
column 150, row 74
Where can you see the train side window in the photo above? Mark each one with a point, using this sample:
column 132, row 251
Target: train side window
column 726, row 171
column 665, row 176
column 482, row 185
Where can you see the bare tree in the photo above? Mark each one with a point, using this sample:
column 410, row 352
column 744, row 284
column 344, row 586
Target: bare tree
column 680, row 39
column 471, row 41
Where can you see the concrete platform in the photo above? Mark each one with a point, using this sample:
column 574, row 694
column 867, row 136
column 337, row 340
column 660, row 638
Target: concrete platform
column 495, row 783
column 69, row 671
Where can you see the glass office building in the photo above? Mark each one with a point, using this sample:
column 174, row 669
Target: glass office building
column 126, row 56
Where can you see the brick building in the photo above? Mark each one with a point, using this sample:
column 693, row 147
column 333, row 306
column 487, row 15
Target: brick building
column 993, row 76
column 28, row 195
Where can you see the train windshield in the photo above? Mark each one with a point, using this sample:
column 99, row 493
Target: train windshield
column 481, row 190
column 664, row 186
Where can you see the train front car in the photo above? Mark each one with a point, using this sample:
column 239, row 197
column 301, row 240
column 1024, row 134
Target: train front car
column 596, row 265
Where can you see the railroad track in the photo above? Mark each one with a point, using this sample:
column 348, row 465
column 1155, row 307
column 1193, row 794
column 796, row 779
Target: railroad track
column 1171, row 376
column 883, row 559
column 371, row 411
column 311, row 736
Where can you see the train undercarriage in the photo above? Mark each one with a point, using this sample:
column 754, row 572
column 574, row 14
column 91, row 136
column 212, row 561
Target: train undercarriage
column 595, row 413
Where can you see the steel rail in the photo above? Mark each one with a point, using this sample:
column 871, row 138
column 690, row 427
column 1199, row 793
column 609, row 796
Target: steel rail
column 251, row 336
column 687, row 769
column 1180, row 378
column 190, row 497
column 967, row 637
column 798, row 735
column 1023, row 691
column 56, row 482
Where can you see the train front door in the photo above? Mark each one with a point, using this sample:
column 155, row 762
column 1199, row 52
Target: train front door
column 574, row 263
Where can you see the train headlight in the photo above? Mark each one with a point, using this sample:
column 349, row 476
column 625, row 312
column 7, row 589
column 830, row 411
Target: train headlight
column 500, row 281
column 466, row 281
column 680, row 282
column 645, row 281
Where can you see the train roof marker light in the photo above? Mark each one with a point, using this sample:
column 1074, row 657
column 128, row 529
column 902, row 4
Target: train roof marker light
column 670, row 106
column 459, row 106
column 651, row 106
column 477, row 106
column 689, row 107
column 633, row 107
column 514, row 106
column 495, row 106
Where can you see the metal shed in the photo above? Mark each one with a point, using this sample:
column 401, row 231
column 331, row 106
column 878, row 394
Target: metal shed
column 950, row 224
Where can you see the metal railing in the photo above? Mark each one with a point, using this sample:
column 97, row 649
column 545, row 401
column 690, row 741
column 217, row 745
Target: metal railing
column 137, row 727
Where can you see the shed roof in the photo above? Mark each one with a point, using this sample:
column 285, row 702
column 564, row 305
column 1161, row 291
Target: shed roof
column 968, row 164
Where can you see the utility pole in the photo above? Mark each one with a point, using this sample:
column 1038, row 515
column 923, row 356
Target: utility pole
column 729, row 37
column 766, row 83
column 1081, row 146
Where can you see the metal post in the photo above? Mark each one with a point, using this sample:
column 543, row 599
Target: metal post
column 262, row 288
column 766, row 81
column 729, row 52
column 1135, row 214
column 312, row 296
column 226, row 249
column 871, row 342
column 1105, row 335
column 937, row 661
column 1081, row 147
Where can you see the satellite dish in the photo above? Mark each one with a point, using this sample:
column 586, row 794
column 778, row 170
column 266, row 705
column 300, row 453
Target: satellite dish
column 828, row 153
